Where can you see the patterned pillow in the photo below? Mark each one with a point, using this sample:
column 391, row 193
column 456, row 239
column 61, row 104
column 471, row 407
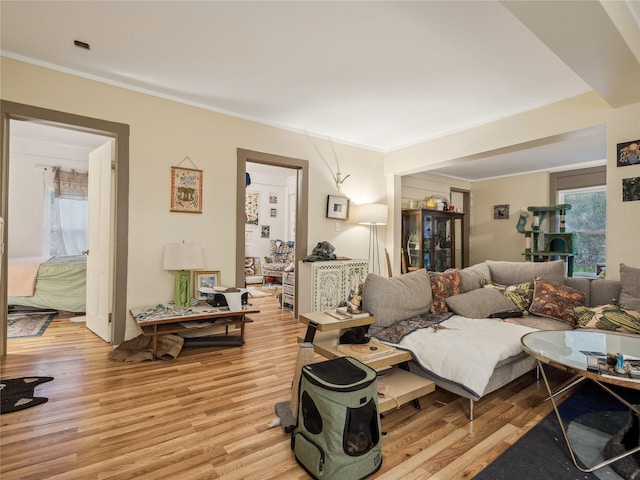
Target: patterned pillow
column 608, row 317
column 521, row 294
column 443, row 285
column 554, row 300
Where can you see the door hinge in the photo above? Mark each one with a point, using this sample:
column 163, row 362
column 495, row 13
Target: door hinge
column 109, row 318
column 113, row 164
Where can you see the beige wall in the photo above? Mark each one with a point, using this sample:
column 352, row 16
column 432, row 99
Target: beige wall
column 163, row 133
column 623, row 218
column 498, row 239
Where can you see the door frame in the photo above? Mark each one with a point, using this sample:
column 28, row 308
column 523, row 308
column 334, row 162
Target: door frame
column 302, row 205
column 118, row 131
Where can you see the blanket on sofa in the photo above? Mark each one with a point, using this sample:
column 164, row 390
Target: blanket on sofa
column 464, row 350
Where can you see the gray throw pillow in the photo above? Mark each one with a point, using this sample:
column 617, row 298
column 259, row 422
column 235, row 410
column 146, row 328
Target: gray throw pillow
column 390, row 300
column 630, row 282
column 472, row 276
column 479, row 303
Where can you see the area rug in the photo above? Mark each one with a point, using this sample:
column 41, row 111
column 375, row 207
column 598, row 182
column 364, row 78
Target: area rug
column 19, row 393
column 22, row 325
column 591, row 417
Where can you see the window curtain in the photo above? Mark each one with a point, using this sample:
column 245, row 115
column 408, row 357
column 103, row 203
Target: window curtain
column 70, row 184
column 70, row 189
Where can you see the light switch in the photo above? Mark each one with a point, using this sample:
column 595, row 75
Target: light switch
column 337, row 226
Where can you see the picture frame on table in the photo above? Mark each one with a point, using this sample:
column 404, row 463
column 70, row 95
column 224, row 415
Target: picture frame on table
column 205, row 278
column 337, row 207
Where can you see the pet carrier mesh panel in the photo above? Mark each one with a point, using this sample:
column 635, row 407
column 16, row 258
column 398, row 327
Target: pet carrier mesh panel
column 337, row 435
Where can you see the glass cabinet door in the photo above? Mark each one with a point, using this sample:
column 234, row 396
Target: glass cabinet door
column 442, row 243
column 412, row 242
column 432, row 239
column 427, row 241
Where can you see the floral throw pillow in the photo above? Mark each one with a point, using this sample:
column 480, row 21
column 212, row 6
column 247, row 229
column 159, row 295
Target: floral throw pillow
column 443, row 285
column 608, row 317
column 554, row 300
column 520, row 294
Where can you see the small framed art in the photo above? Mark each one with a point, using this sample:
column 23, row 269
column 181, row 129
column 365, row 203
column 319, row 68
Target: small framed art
column 186, row 190
column 337, row 207
column 628, row 153
column 202, row 278
column 501, row 212
column 631, row 189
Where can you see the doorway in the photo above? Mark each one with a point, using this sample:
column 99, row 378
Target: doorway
column 301, row 168
column 120, row 134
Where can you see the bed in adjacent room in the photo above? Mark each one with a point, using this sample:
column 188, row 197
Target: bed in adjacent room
column 56, row 283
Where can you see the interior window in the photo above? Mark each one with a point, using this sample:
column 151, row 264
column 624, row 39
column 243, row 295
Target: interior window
column 66, row 218
column 587, row 219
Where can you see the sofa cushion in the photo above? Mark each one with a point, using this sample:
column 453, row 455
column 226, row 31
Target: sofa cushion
column 471, row 276
column 392, row 299
column 630, row 281
column 608, row 317
column 443, row 285
column 603, row 292
column 479, row 303
column 511, row 273
column 520, row 294
column 554, row 300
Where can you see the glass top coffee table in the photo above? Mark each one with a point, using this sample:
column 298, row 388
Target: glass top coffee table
column 568, row 350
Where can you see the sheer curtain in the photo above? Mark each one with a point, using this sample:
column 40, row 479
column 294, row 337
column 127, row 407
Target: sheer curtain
column 69, row 216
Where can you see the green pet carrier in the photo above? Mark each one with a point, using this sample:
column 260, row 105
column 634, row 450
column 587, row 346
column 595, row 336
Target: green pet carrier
column 337, row 433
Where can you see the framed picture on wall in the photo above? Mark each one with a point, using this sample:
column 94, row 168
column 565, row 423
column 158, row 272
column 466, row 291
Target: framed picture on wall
column 337, row 207
column 631, row 189
column 202, row 278
column 628, row 153
column 252, row 207
column 186, row 190
column 501, row 212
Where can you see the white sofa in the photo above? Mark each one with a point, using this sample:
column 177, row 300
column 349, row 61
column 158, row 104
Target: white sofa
column 392, row 300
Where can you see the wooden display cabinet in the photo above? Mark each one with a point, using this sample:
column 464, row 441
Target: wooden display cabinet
column 433, row 239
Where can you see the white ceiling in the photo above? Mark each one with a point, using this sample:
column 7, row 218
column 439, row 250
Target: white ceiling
column 378, row 74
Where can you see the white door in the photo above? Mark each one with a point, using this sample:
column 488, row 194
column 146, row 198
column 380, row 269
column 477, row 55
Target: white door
column 99, row 248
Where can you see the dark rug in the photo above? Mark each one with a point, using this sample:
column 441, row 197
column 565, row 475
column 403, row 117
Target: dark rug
column 22, row 325
column 19, row 393
column 591, row 417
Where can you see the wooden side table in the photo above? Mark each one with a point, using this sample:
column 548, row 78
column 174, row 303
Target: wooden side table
column 199, row 317
column 323, row 332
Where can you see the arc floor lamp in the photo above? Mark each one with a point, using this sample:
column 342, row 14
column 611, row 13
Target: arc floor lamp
column 373, row 214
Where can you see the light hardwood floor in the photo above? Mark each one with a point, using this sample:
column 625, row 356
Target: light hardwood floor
column 206, row 414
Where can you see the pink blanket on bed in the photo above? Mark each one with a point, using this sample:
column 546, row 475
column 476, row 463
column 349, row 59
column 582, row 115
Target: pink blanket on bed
column 22, row 275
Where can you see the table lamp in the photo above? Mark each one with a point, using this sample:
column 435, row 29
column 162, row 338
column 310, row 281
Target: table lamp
column 183, row 257
column 373, row 214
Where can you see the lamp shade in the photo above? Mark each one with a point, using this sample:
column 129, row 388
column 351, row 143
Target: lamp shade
column 183, row 256
column 373, row 213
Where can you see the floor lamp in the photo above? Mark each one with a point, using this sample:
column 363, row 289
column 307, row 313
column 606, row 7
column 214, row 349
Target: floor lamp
column 183, row 257
column 373, row 214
